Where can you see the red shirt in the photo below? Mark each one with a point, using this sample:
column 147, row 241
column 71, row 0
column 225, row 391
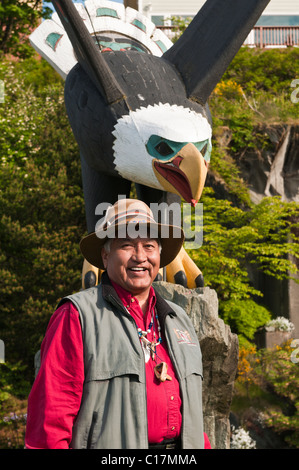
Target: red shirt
column 163, row 398
column 55, row 398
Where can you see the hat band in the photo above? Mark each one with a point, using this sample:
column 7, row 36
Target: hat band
column 126, row 215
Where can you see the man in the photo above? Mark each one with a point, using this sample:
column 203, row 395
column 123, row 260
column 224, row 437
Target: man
column 115, row 372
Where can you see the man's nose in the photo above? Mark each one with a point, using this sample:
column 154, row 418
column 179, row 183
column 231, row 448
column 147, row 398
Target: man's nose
column 139, row 254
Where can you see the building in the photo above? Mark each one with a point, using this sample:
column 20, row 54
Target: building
column 277, row 27
column 277, row 13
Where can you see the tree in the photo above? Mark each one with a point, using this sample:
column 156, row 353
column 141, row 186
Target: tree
column 41, row 207
column 233, row 239
column 17, row 19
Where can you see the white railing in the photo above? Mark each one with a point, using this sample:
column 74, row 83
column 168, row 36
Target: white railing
column 260, row 36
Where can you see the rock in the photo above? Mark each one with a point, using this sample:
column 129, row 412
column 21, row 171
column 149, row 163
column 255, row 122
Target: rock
column 219, row 353
column 273, row 171
column 264, row 436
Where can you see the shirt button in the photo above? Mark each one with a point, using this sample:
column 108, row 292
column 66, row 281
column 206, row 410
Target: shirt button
column 173, row 428
column 172, row 397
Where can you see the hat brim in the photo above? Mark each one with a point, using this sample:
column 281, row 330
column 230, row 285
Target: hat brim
column 171, row 239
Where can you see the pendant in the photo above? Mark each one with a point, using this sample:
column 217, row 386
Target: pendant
column 146, row 351
column 153, row 350
column 161, row 372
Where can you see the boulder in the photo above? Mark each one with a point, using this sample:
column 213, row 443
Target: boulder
column 219, row 353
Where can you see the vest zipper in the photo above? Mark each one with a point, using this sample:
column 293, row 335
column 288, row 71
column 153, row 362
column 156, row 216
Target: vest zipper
column 127, row 313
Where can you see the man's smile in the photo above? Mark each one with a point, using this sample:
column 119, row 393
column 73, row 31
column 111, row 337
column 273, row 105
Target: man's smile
column 136, row 269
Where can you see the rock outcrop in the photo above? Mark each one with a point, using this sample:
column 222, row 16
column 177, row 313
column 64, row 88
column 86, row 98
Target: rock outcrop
column 275, row 170
column 219, row 353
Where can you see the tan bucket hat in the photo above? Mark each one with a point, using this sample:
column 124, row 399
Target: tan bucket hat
column 133, row 218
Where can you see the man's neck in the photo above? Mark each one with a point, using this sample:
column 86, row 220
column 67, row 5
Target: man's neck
column 143, row 301
column 142, row 297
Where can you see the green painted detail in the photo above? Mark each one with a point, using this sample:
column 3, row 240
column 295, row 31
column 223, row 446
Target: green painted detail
column 161, row 45
column 107, row 12
column 52, row 40
column 205, row 148
column 139, row 25
column 164, row 149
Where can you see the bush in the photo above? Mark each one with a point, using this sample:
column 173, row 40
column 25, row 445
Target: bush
column 255, row 91
column 244, row 318
column 271, row 380
column 14, row 390
column 270, row 70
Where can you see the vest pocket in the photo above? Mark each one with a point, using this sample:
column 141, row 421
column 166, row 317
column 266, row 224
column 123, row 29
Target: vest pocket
column 112, row 362
column 130, row 369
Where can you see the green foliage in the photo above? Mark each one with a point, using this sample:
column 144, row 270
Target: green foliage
column 225, row 169
column 42, row 208
column 255, row 91
column 14, row 390
column 17, row 18
column 270, row 70
column 12, row 380
column 32, row 94
column 283, row 376
column 271, row 379
column 235, row 238
column 179, row 24
column 244, row 317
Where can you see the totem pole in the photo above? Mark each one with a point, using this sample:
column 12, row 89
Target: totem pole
column 137, row 103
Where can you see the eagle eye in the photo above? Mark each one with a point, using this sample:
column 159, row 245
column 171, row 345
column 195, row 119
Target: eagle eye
column 204, row 149
column 164, row 149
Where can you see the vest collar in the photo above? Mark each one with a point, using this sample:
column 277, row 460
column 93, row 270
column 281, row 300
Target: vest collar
column 110, row 295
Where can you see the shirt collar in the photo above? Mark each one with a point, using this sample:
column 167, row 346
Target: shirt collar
column 127, row 298
column 163, row 308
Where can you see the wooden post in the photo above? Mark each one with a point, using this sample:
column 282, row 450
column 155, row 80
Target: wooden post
column 131, row 4
column 261, row 37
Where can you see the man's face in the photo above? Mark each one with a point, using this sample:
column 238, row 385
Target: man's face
column 133, row 263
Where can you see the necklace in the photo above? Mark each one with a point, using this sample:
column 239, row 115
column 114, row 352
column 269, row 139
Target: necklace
column 151, row 345
column 160, row 369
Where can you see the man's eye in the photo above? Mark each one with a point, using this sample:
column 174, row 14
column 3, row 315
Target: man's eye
column 126, row 245
column 164, row 149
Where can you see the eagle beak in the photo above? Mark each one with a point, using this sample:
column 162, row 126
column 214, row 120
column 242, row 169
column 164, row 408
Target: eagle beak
column 184, row 174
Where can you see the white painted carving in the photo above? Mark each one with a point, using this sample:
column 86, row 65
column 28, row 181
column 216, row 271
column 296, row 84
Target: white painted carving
column 132, row 132
column 127, row 23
